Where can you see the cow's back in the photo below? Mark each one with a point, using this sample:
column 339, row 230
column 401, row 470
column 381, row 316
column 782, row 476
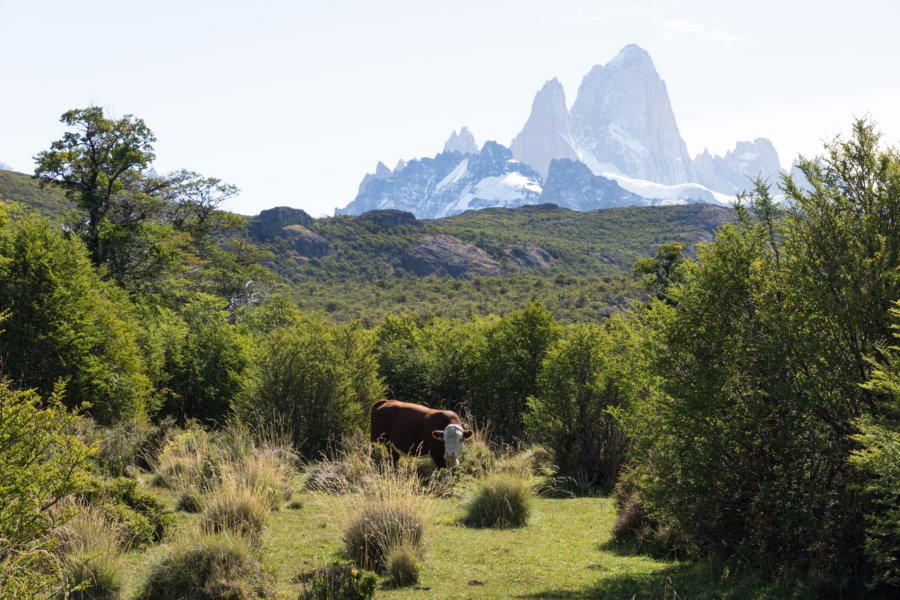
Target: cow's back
column 408, row 425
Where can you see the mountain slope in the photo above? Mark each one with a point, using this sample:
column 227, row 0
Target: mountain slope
column 48, row 200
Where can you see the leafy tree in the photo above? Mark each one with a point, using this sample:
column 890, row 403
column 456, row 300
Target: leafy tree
column 661, row 271
column 401, row 360
column 96, row 162
column 879, row 459
column 756, row 368
column 578, row 386
column 507, row 360
column 65, row 324
column 205, row 362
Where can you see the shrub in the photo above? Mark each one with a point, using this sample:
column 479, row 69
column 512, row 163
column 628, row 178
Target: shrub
column 234, row 506
column 317, row 379
column 403, row 566
column 578, row 385
column 348, row 469
column 190, row 502
column 338, row 582
column 210, row 568
column 40, row 465
column 500, row 500
column 188, row 462
column 142, row 518
column 391, row 512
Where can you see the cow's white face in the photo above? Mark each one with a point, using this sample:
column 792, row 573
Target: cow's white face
column 453, row 437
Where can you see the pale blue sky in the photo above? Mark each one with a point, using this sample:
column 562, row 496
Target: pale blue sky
column 295, row 101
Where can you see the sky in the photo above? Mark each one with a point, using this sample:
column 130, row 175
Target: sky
column 295, row 101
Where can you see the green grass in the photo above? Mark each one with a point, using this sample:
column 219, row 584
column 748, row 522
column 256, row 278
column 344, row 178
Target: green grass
column 565, row 552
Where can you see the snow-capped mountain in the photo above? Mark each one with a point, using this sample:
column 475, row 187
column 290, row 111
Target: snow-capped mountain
column 735, row 172
column 450, row 183
column 618, row 145
column 571, row 184
column 5, row 167
column 621, row 121
column 547, row 134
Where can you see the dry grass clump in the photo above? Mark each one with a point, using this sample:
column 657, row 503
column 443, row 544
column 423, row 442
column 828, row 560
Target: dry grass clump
column 213, row 567
column 347, row 470
column 190, row 462
column 235, row 506
column 91, row 557
column 500, row 500
column 391, row 512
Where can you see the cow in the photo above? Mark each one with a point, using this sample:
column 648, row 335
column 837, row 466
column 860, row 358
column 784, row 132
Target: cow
column 413, row 429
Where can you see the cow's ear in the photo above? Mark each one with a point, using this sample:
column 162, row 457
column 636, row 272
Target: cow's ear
column 438, row 434
column 467, row 434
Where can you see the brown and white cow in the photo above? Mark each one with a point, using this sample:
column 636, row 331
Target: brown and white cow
column 413, row 429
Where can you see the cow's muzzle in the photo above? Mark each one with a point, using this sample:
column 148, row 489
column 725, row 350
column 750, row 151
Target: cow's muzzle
column 452, row 460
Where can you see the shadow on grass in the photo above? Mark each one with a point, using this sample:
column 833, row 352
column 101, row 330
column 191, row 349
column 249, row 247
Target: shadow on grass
column 685, row 581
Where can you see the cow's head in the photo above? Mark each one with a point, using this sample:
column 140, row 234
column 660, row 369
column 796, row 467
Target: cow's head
column 453, row 437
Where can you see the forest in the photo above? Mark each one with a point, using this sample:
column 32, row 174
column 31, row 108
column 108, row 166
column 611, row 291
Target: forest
column 175, row 385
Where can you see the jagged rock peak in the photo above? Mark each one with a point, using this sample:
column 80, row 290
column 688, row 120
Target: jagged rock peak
column 547, row 133
column 622, row 120
column 382, row 171
column 735, row 172
column 463, row 142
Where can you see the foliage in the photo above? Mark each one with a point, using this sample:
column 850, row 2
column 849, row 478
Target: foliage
column 41, row 464
column 204, row 363
column 661, row 271
column 507, row 360
column 879, row 459
column 403, row 567
column 314, row 379
column 48, row 201
column 66, row 324
column 756, row 361
column 92, row 562
column 236, row 507
column 581, row 380
column 141, row 518
column 501, row 500
column 208, row 568
column 338, row 582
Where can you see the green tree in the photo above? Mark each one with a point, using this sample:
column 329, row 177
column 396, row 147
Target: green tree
column 401, row 360
column 65, row 324
column 96, row 162
column 578, row 386
column 661, row 271
column 506, row 363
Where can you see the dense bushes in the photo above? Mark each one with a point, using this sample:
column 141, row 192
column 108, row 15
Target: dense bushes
column 65, row 323
column 41, row 465
column 755, row 365
column 581, row 380
column 313, row 380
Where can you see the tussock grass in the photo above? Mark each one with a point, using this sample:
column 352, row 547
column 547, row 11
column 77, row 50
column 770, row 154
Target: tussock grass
column 189, row 462
column 390, row 512
column 499, row 500
column 210, row 567
column 91, row 562
column 337, row 582
column 403, row 566
column 235, row 506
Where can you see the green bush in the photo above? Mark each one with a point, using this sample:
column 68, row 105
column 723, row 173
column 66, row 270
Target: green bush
column 501, row 500
column 41, row 465
column 403, row 567
column 314, row 379
column 209, row 568
column 338, row 582
column 142, row 518
column 580, row 382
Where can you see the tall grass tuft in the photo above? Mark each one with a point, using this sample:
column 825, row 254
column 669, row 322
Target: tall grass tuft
column 390, row 512
column 91, row 563
column 235, row 506
column 500, row 500
column 213, row 567
column 403, row 566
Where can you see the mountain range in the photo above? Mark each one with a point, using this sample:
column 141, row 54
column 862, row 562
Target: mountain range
column 618, row 145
